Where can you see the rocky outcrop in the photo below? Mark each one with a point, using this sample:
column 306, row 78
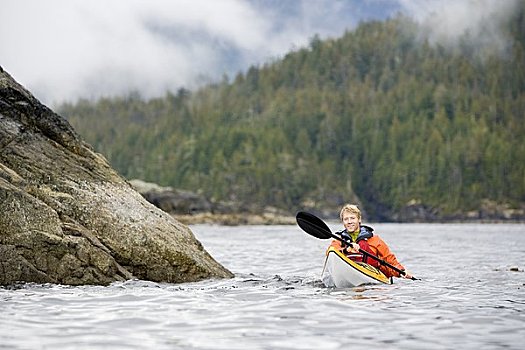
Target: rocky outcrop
column 492, row 211
column 173, row 201
column 67, row 217
column 192, row 208
column 489, row 211
column 416, row 211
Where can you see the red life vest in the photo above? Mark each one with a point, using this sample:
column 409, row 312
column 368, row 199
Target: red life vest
column 363, row 243
column 362, row 240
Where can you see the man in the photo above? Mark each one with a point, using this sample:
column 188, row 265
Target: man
column 362, row 237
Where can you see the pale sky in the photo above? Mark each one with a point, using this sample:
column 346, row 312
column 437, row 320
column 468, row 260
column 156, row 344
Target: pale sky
column 62, row 50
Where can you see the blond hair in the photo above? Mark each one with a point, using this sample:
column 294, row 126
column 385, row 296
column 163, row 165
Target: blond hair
column 353, row 209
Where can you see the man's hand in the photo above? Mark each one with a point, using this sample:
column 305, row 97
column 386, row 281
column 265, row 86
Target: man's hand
column 353, row 248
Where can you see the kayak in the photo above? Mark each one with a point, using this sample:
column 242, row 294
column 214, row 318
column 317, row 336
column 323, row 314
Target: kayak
column 341, row 272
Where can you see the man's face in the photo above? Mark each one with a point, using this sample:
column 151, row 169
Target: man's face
column 350, row 221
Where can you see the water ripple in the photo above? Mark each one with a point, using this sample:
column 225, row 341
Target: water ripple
column 468, row 299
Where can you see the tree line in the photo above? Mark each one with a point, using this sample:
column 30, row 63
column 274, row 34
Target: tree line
column 379, row 115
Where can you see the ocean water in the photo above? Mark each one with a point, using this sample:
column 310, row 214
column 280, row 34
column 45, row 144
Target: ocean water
column 471, row 296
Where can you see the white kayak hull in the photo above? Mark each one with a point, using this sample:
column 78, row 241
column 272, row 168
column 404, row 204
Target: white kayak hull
column 341, row 272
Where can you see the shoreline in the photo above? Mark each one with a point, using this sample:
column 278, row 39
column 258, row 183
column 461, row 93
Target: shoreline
column 235, row 219
column 273, row 219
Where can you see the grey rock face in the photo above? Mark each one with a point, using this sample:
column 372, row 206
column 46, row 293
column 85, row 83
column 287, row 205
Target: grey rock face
column 67, row 217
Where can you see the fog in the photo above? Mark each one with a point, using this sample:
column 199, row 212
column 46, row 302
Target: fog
column 63, row 50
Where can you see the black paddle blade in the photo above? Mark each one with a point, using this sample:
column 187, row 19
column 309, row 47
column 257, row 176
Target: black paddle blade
column 312, row 225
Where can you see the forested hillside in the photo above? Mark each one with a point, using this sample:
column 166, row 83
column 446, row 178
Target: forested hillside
column 380, row 113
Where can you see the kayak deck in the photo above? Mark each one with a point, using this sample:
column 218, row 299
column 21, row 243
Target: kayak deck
column 341, row 272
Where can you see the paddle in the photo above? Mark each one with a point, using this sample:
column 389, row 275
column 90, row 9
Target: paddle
column 316, row 227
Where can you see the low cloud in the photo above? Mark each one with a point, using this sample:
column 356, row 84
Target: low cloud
column 67, row 49
column 447, row 22
column 63, row 50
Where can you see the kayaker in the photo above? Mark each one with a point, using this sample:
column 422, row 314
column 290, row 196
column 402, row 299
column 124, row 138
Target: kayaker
column 362, row 237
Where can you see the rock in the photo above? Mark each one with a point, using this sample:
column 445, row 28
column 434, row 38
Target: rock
column 171, row 200
column 491, row 210
column 416, row 211
column 67, row 217
column 191, row 208
column 235, row 219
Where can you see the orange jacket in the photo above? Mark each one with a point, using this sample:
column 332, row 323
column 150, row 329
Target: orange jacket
column 380, row 249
